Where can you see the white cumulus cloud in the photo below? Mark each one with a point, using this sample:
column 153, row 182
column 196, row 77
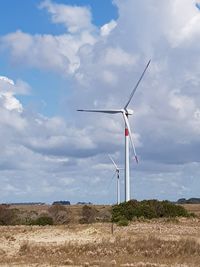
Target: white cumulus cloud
column 104, row 64
column 75, row 18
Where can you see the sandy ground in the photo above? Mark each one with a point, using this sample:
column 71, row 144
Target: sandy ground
column 95, row 245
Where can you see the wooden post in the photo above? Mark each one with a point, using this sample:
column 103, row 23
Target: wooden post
column 112, row 228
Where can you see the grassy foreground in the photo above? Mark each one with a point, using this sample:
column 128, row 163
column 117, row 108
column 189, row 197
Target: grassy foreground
column 79, row 239
column 149, row 243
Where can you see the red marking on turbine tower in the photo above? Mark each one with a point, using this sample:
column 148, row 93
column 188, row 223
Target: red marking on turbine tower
column 126, row 132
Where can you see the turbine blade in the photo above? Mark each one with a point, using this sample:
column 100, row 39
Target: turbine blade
column 130, row 135
column 111, row 180
column 113, row 162
column 110, row 111
column 136, row 86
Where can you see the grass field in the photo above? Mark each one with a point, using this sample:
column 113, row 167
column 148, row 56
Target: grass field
column 195, row 208
column 161, row 242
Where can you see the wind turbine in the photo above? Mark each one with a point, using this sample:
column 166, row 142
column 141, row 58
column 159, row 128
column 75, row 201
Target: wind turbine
column 117, row 169
column 125, row 113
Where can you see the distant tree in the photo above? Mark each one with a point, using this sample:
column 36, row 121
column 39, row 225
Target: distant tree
column 193, row 200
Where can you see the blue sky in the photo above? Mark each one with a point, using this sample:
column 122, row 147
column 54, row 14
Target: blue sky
column 28, row 17
column 65, row 55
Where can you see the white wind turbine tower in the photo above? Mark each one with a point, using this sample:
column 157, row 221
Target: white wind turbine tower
column 125, row 113
column 117, row 169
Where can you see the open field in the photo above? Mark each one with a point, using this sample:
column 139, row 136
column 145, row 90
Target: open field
column 160, row 242
column 155, row 243
column 195, row 208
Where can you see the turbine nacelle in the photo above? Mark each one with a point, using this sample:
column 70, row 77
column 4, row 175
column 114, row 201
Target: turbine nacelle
column 128, row 111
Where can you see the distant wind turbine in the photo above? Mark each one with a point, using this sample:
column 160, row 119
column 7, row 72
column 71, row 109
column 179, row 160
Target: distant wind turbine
column 117, row 169
column 125, row 113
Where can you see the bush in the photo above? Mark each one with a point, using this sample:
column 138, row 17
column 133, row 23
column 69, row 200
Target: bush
column 7, row 215
column 147, row 209
column 43, row 220
column 122, row 221
column 55, row 209
column 104, row 215
column 88, row 214
column 60, row 214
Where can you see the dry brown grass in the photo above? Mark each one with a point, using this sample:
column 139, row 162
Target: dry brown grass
column 195, row 208
column 118, row 251
column 142, row 244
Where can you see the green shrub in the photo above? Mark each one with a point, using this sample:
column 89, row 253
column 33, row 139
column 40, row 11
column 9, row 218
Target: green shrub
column 147, row 209
column 122, row 221
column 43, row 220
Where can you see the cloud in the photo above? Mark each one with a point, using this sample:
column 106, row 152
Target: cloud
column 35, row 149
column 75, row 18
column 104, row 64
column 6, row 80
column 117, row 57
column 185, row 29
column 108, row 27
column 8, row 89
column 59, row 53
column 56, row 53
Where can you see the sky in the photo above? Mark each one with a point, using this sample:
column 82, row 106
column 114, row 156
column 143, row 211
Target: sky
column 57, row 56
